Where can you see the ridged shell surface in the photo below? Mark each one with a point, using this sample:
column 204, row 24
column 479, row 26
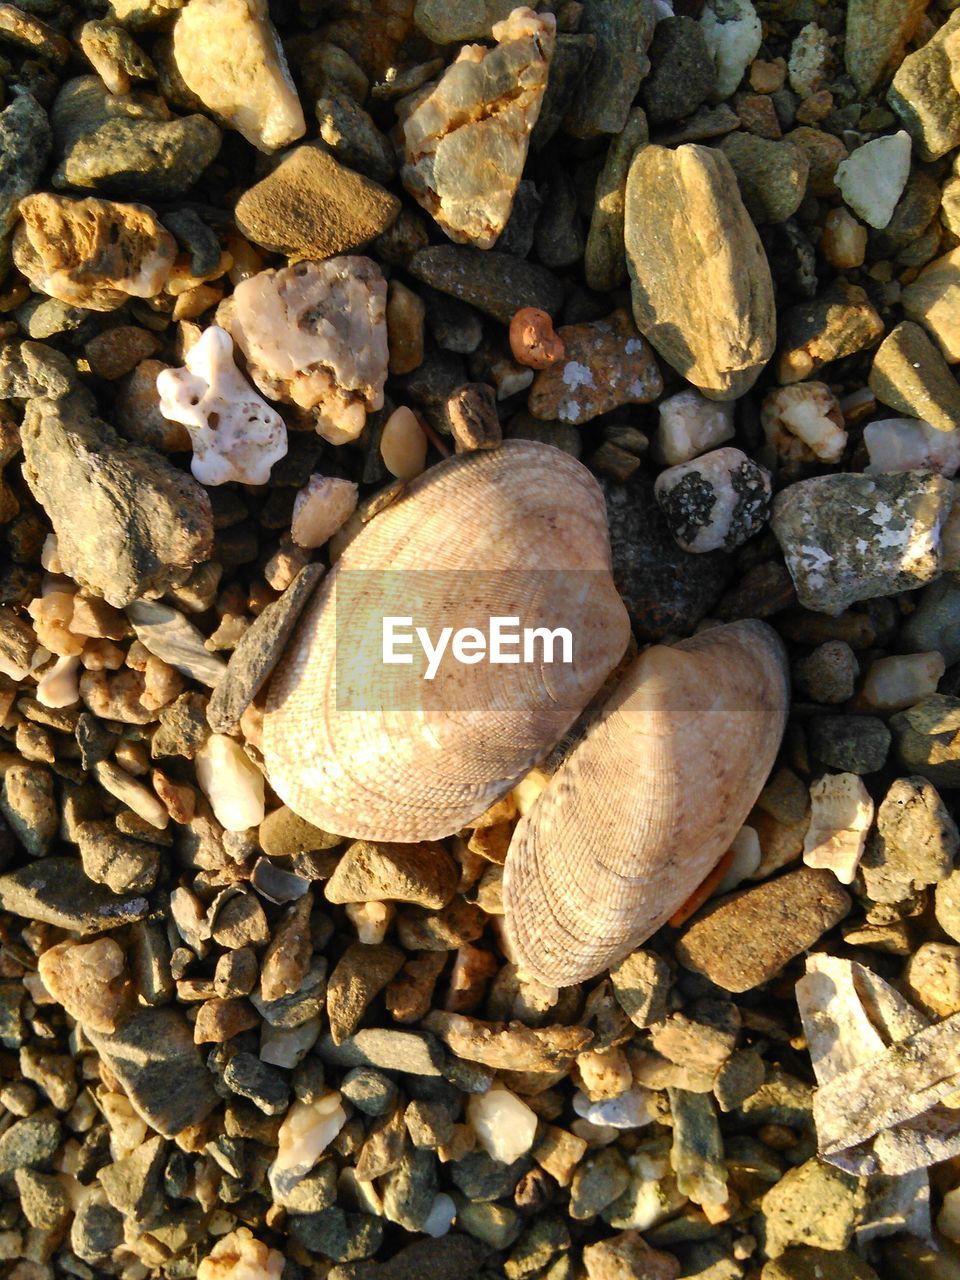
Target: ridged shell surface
column 519, row 531
column 648, row 803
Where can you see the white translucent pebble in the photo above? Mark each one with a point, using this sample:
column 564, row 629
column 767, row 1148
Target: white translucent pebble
column 872, row 178
column 288, row 1046
column 597, row 1135
column 59, row 686
column 630, row 1110
column 910, row 444
column 733, row 34
column 231, row 782
column 504, row 1125
column 948, row 1219
column 441, row 1216
column 841, row 812
column 308, row 1129
column 235, row 434
column 690, row 424
column 241, row 1256
column 900, row 681
column 807, row 412
column 403, row 446
column 371, row 920
column 322, row 506
column 746, row 859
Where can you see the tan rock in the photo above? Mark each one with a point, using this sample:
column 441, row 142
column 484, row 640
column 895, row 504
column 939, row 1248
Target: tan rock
column 92, row 253
column 933, row 300
column 465, row 136
column 310, row 206
column 702, row 290
column 230, row 56
column 90, row 980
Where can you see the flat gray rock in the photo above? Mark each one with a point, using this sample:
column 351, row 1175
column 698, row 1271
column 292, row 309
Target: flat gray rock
column 170, row 636
column 56, row 891
column 495, row 283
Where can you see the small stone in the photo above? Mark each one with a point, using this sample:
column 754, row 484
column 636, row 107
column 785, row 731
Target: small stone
column 496, row 283
column 841, row 815
column 132, row 1184
column 231, row 782
column 734, row 35
column 910, row 374
column 315, row 335
column 803, row 422
column 924, row 94
column 32, row 35
column 412, row 1052
column 229, row 55
column 627, row 1256
column 621, row 31
column 947, row 898
column 354, row 138
column 446, row 24
column 931, row 300
column 738, row 1079
column 92, row 253
column 849, row 537
column 597, row 1182
column 403, row 446
column 43, row 1198
column 719, row 500
column 772, row 176
column 465, row 136
column 669, row 193
column 25, row 142
column 183, row 728
column 744, row 940
column 933, row 625
column 117, row 861
column 807, row 1263
column 839, row 323
column 505, row 1126
column 683, row 75
column 370, row 1091
column 855, row 744
column 28, row 803
column 97, row 1227
column 907, row 444
column 266, row 1088
column 422, row 873
column 115, row 55
column 932, row 979
column 928, row 738
column 690, row 425
column 844, row 240
column 814, row 1204
column 358, row 977
column 405, row 317
column 56, row 891
column 240, row 1256
column 642, row 983
column 605, row 365
column 474, row 420
column 220, row 1020
column 604, row 262
column 306, row 1132
column 29, row 1144
column 878, row 32
column 872, row 178
column 897, row 682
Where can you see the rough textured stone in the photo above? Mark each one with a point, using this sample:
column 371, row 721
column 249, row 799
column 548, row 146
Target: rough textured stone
column 465, row 136
column 622, row 30
column 354, row 138
column 496, row 283
column 122, row 864
column 115, row 55
column 604, row 261
column 718, row 500
column 25, row 142
column 56, row 891
column 310, row 206
column 878, row 32
column 772, row 176
column 804, row 1262
column 840, row 322
column 229, row 55
column 422, row 873
column 915, row 843
column 28, row 802
column 358, row 976
column 849, row 537
column 627, row 1256
column 689, row 239
column 683, row 74
column 744, row 940
column 852, row 744
column 924, row 90
column 90, row 980
column 126, row 520
column 933, row 300
column 734, row 35
column 928, row 738
column 814, row 1204
column 444, row 23
column 872, row 178
column 909, row 374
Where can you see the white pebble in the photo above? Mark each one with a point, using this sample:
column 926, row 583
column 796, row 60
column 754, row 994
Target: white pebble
column 322, row 506
column 841, row 812
column 241, row 1256
column 900, row 681
column 441, row 1216
column 804, row 420
column 59, row 686
column 231, row 782
column 235, row 434
column 308, row 1129
column 910, row 444
column 630, row 1110
column 403, row 446
column 871, row 180
column 288, row 1046
column 371, row 920
column 504, row 1125
column 733, row 34
column 746, row 859
column 690, row 424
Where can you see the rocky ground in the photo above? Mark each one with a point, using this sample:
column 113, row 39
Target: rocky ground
column 259, row 271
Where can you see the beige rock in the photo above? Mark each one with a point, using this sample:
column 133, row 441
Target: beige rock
column 465, row 136
column 933, row 300
column 229, row 55
column 901, row 681
column 804, row 422
column 841, row 812
column 241, row 1256
column 90, row 980
column 403, row 446
column 92, row 253
column 505, row 1126
column 322, row 506
column 702, row 290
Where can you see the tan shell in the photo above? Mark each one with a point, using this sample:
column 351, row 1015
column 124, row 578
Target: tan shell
column 648, row 803
column 422, row 770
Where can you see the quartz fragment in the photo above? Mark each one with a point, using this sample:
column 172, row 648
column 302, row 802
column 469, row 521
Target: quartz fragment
column 232, row 783
column 804, row 422
column 734, row 34
column 465, row 136
column 900, row 681
column 907, row 444
column 505, row 1126
column 315, row 335
column 690, row 425
column 235, row 435
column 718, row 500
column 872, row 178
column 840, row 817
column 915, row 844
column 321, row 507
column 308, row 1129
column 241, row 1256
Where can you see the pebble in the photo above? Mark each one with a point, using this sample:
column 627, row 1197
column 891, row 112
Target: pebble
column 311, row 206
column 718, row 500
column 931, row 300
column 844, row 240
column 897, row 682
column 505, row 1126
column 605, row 365
column 28, row 802
column 933, row 624
column 907, row 444
column 229, row 56
column 932, row 979
column 32, row 35
column 128, row 791
column 122, row 864
column 947, row 905
column 315, row 335
column 90, row 980
column 124, row 145
column 848, row 537
column 603, row 95
column 641, row 983
column 321, row 507
column 928, row 738
column 44, row 1199
column 167, row 634
column 358, row 977
column 683, row 74
column 734, row 35
column 25, row 142
column 745, row 940
column 877, row 34
column 841, row 813
column 405, row 320
column 473, row 416
column 814, row 1204
column 772, row 176
column 464, row 137
column 853, row 744
column 803, row 422
column 235, row 435
column 840, row 322
column 116, row 57
column 422, row 873
column 807, row 1263
column 92, row 253
column 56, row 891
column 909, row 374
column 924, row 96
column 231, row 782
column 403, row 446
column 872, row 178
column 240, row 1256
column 497, row 284
column 354, row 138
column 690, row 425
column 604, row 263
column 721, row 349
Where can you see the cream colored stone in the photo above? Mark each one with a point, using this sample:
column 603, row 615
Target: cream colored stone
column 841, row 812
column 901, row 681
column 322, row 506
column 90, row 980
column 59, row 686
column 241, row 1256
column 690, row 425
column 308, row 1129
column 844, row 240
column 908, row 444
column 403, row 446
column 505, row 1126
column 803, row 422
column 231, row 782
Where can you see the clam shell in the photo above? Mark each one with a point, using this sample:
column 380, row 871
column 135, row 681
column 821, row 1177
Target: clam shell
column 648, row 803
column 502, row 533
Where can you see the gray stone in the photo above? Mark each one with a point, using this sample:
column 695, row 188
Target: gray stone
column 30, row 369
column 412, row 1052
column 312, row 1194
column 29, row 1144
column 558, row 238
column 716, row 501
column 604, row 260
column 445, row 23
column 482, row 1179
column 849, row 537
column 122, row 145
column 829, row 673
column 56, row 891
column 928, row 738
column 196, row 237
column 369, row 1090
column 545, row 1237
column 852, row 744
column 495, row 283
column 683, row 75
column 258, row 652
column 910, row 374
column 266, row 1088
column 642, row 983
column 122, row 864
column 572, row 55
column 814, row 1204
column 335, row 1234
column 623, row 30
column 772, row 176
column 97, row 1228
column 133, row 1184
column 170, row 636
column 877, row 34
column 354, row 139
column 183, row 728
column 807, row 1263
column 126, row 520
column 597, row 1181
column 914, row 845
column 410, row 1188
column 28, row 803
column 738, row 1079
column 25, row 142
column 924, row 94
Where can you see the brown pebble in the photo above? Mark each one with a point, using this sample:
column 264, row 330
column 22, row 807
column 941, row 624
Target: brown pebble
column 532, row 339
column 220, row 1020
column 118, row 351
column 473, row 417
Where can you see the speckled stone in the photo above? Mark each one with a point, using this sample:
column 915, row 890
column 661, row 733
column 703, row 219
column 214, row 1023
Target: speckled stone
column 496, row 283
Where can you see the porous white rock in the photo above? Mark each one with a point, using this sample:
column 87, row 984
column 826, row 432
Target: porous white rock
column 315, row 335
column 900, row 681
column 910, row 444
column 308, row 1129
column 59, row 686
column 403, row 446
column 505, row 1126
column 872, row 178
column 323, row 505
column 231, row 782
column 802, row 422
column 235, row 434
column 841, row 812
column 733, row 33
column 809, row 60
column 689, row 425
column 241, row 1256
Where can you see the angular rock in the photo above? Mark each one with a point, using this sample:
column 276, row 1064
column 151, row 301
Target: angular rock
column 495, row 283
column 924, row 92
column 909, row 374
column 604, row 261
column 839, row 323
column 126, row 520
column 933, row 300
column 872, row 178
column 772, row 176
column 622, row 31
column 688, row 237
column 915, row 844
column 465, row 136
column 133, row 1184
column 115, row 55
column 56, row 891
column 119, row 862
column 422, row 873
column 25, row 142
column 853, row 744
column 444, row 23
column 878, row 32
column 358, row 977
column 28, row 802
column 741, row 941
column 511, row 1047
column 849, row 537
column 310, row 206
column 90, row 980
column 354, row 138
column 928, row 738
column 683, row 74
column 411, row 1052
column 812, row 1205
column 734, row 35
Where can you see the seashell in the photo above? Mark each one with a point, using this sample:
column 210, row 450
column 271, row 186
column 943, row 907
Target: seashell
column 647, row 804
column 364, row 750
